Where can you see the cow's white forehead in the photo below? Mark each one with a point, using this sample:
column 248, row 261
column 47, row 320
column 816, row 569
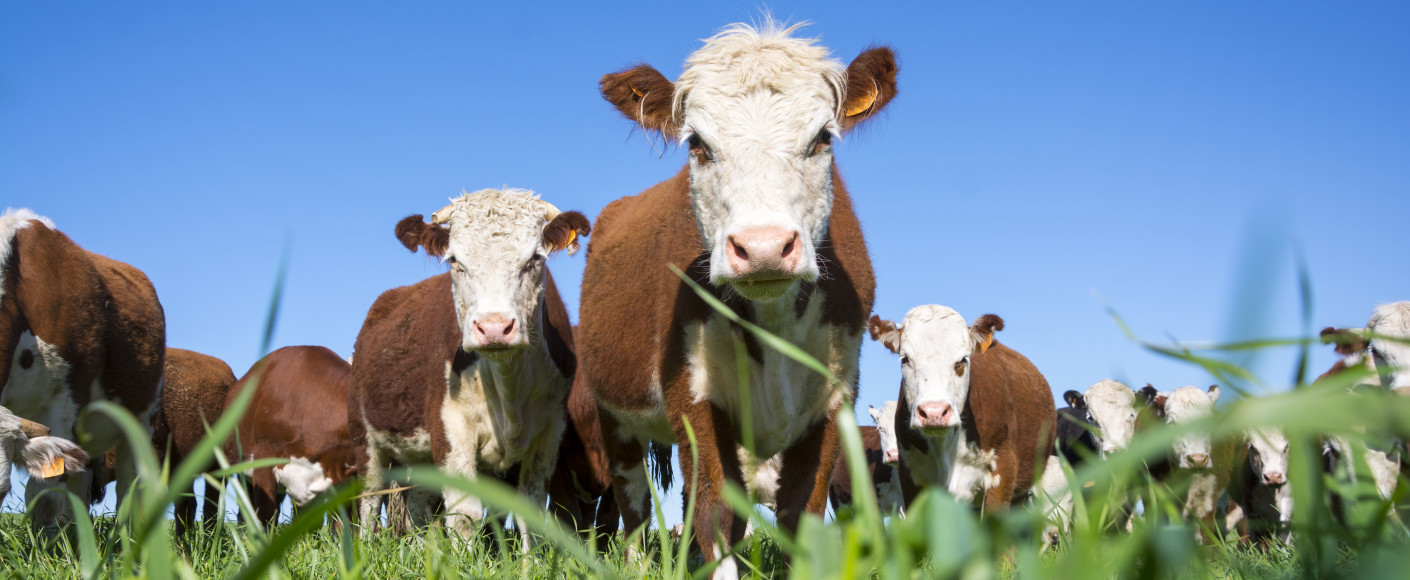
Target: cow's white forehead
column 1187, row 404
column 1391, row 320
column 491, row 213
column 888, row 415
column 1109, row 393
column 935, row 326
column 1268, row 439
column 744, row 59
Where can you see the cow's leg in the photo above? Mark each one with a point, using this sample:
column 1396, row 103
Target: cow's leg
column 806, row 473
column 210, row 507
column 998, row 487
column 369, row 508
column 463, row 510
column 264, row 496
column 626, row 460
column 52, row 511
column 125, row 472
column 607, row 515
column 717, row 529
column 533, row 484
column 565, row 505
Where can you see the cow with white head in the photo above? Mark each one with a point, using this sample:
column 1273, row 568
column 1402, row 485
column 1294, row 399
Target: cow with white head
column 28, row 445
column 974, row 416
column 1197, row 460
column 1389, row 345
column 470, row 369
column 1260, row 499
column 885, row 419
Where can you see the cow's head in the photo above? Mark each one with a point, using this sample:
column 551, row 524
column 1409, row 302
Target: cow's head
column 28, row 444
column 885, row 419
column 935, row 346
column 759, row 110
column 1186, row 405
column 1111, row 408
column 1268, row 455
column 1390, row 322
column 496, row 242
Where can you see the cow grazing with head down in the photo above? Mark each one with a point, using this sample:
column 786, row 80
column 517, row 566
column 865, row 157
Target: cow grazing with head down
column 75, row 327
column 193, row 396
column 975, row 417
column 298, row 412
column 28, row 445
column 761, row 219
column 470, row 369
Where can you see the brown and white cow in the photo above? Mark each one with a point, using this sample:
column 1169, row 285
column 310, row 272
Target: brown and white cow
column 28, row 445
column 75, row 327
column 194, row 386
column 1386, row 359
column 469, row 370
column 580, row 491
column 1260, row 498
column 886, row 488
column 1199, row 465
column 760, row 218
column 299, row 412
column 975, row 416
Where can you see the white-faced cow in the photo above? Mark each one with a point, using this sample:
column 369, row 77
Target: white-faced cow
column 1260, row 499
column 1195, row 460
column 75, row 327
column 886, row 486
column 1390, row 329
column 975, row 417
column 760, row 218
column 28, row 445
column 1384, row 456
column 290, row 383
column 469, row 370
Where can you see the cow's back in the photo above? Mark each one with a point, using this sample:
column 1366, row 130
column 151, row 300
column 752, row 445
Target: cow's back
column 400, row 354
column 298, row 409
column 194, row 387
column 1012, row 405
column 135, row 335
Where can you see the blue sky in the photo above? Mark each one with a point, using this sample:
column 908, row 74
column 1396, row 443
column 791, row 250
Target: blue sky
column 1165, row 158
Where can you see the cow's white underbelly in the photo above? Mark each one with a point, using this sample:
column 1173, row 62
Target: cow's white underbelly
column 40, row 391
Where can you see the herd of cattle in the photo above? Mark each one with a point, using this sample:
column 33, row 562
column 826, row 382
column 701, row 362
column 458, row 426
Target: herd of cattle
column 479, row 371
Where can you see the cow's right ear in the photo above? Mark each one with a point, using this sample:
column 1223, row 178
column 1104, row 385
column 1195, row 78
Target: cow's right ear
column 886, row 332
column 1074, row 399
column 642, row 94
column 875, row 414
column 413, row 232
column 1149, row 394
column 1347, row 341
column 871, row 84
column 566, row 231
column 982, row 332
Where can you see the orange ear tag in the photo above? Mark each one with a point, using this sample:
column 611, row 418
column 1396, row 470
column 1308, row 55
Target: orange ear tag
column 984, row 346
column 637, row 92
column 55, row 467
column 572, row 235
column 865, row 103
column 1089, row 484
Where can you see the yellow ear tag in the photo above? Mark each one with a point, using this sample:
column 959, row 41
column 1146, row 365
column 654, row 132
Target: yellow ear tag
column 1089, row 484
column 865, row 103
column 984, row 346
column 53, row 468
column 637, row 91
column 572, row 235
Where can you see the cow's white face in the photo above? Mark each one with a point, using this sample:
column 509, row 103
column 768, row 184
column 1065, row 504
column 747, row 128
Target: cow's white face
column 1392, row 358
column 1187, row 405
column 758, row 110
column 885, row 419
column 29, row 445
column 1268, row 454
column 1112, row 408
column 497, row 243
column 935, row 345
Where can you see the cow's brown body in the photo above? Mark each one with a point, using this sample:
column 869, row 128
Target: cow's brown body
column 635, row 317
column 882, row 475
column 74, row 324
column 299, row 410
column 193, row 396
column 581, row 488
column 1009, row 411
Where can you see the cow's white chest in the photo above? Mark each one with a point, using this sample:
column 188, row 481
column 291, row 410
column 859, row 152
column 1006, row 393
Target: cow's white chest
column 888, row 496
column 38, row 387
column 496, row 421
column 951, row 460
column 785, row 397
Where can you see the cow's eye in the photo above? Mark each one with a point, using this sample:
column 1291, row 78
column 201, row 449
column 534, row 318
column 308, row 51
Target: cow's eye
column 821, row 143
column 699, row 150
column 905, row 361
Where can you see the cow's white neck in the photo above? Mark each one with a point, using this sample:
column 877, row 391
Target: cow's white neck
column 950, row 459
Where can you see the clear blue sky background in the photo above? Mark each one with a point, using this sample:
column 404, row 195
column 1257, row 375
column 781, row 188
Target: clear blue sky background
column 1166, row 158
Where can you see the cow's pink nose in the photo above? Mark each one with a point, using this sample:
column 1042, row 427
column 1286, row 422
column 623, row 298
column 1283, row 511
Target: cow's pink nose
column 892, row 456
column 935, row 415
column 1274, row 479
column 765, row 252
column 494, row 329
column 1197, row 460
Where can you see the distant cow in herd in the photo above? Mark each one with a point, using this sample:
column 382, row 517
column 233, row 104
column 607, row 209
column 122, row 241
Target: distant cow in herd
column 193, row 396
column 974, row 417
column 469, row 370
column 299, row 412
column 758, row 209
column 75, row 327
column 886, row 488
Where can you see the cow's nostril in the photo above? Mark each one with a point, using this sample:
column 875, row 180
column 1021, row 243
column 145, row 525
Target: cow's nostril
column 739, row 251
column 788, row 247
column 509, row 328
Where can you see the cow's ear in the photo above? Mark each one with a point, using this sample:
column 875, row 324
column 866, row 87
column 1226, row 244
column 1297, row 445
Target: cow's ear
column 885, row 332
column 875, row 414
column 413, row 232
column 982, row 332
column 564, row 231
column 1213, row 392
column 871, row 84
column 642, row 94
column 1074, row 399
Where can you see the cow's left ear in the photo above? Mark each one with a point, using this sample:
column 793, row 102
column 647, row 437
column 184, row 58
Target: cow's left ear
column 1074, row 399
column 871, row 84
column 413, row 232
column 885, row 332
column 983, row 330
column 563, row 231
column 1213, row 392
column 875, row 414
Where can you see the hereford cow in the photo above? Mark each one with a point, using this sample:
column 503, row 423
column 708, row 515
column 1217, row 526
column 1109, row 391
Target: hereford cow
column 75, row 327
column 470, row 369
column 299, row 412
column 1390, row 328
column 28, row 445
column 193, row 397
column 761, row 219
column 1195, row 461
column 1260, row 499
column 1384, row 456
column 974, row 415
column 580, row 491
column 885, row 419
column 885, row 485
